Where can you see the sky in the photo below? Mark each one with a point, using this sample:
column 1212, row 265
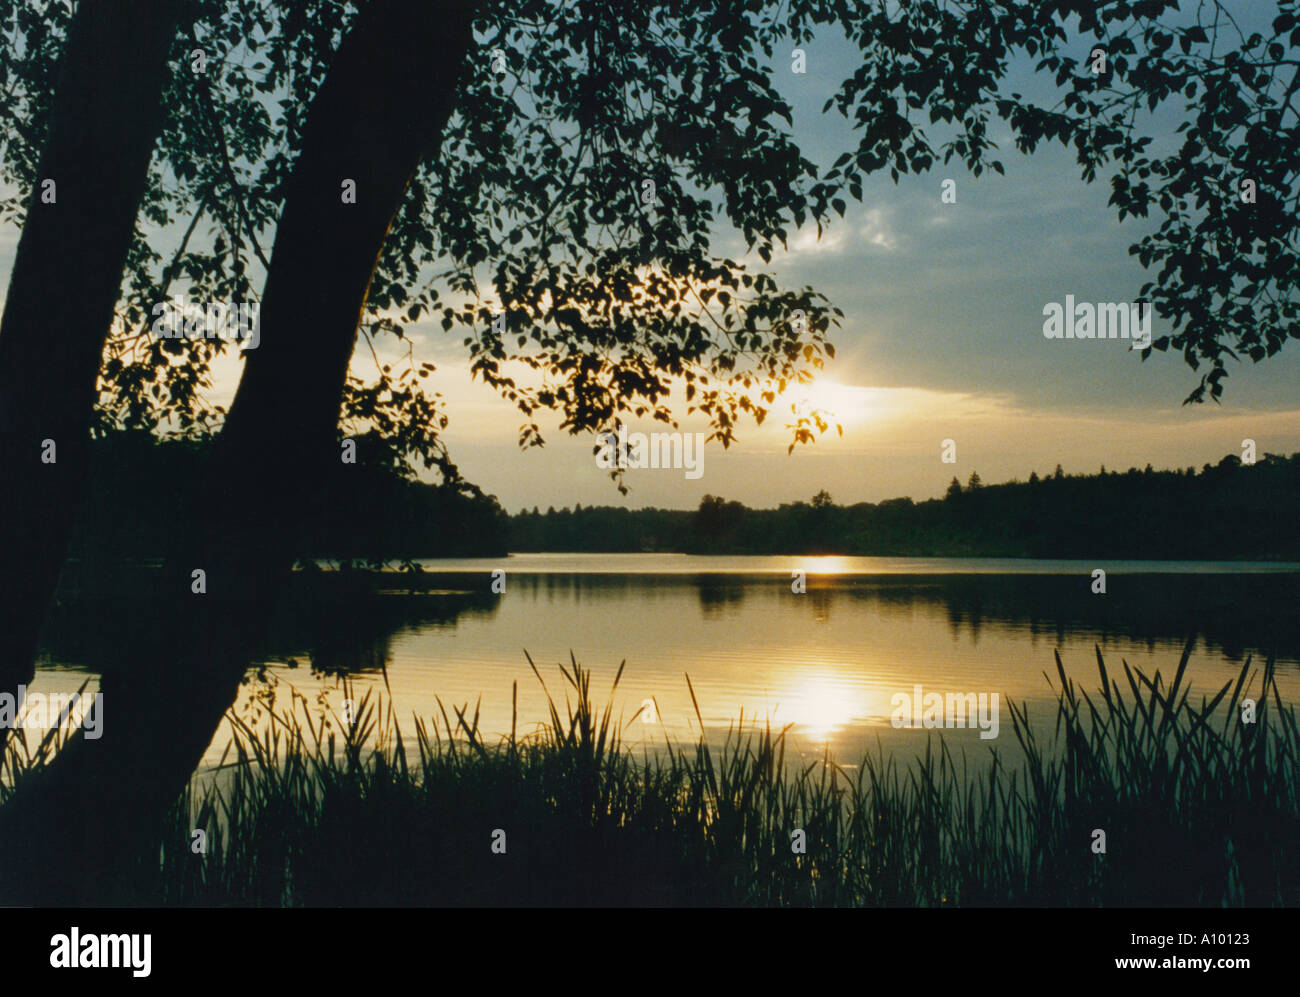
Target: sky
column 941, row 340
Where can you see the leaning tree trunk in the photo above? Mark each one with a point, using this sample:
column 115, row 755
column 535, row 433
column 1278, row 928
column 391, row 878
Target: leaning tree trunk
column 379, row 113
column 67, row 273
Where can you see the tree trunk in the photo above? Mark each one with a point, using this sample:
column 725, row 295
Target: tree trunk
column 67, row 273
column 379, row 113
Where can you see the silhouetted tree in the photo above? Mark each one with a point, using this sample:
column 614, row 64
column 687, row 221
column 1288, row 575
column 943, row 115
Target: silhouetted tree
column 605, row 295
column 78, row 211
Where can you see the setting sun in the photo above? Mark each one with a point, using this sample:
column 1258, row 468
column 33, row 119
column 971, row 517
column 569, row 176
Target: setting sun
column 847, row 405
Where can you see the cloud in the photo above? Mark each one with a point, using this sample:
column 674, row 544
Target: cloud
column 877, row 231
column 807, row 242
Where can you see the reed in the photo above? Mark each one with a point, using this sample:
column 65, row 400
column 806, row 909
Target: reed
column 1199, row 809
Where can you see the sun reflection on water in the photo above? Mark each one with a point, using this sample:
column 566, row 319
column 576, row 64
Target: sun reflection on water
column 822, row 703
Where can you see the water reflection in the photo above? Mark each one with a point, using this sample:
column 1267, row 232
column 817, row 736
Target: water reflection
column 826, row 662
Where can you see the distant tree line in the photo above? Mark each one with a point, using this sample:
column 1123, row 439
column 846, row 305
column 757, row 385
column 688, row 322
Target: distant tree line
column 599, row 529
column 374, row 511
column 141, row 488
column 1226, row 511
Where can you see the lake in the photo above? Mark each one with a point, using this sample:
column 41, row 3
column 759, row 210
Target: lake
column 834, row 661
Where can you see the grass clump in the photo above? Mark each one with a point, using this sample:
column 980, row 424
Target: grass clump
column 1198, row 809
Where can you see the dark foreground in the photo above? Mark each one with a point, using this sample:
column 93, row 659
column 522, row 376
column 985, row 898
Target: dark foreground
column 1198, row 808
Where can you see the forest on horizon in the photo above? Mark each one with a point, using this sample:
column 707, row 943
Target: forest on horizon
column 1217, row 513
column 374, row 513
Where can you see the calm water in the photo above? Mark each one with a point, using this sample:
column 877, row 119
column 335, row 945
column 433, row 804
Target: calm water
column 828, row 662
